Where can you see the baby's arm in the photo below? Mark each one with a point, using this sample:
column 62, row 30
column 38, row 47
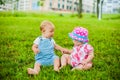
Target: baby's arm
column 57, row 47
column 35, row 48
column 63, row 50
column 89, row 59
column 70, row 51
column 90, row 51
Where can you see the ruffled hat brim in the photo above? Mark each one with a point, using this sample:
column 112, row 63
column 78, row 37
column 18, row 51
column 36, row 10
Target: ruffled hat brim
column 77, row 37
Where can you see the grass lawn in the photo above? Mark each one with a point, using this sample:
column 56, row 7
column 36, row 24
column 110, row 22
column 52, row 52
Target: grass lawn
column 18, row 31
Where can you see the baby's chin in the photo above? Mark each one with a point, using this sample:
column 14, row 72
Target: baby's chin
column 49, row 36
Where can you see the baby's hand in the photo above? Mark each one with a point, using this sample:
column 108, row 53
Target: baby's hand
column 64, row 51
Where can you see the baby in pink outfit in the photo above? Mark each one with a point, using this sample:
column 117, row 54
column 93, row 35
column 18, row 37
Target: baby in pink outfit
column 80, row 57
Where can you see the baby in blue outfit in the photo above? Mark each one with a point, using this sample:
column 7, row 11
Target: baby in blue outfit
column 43, row 48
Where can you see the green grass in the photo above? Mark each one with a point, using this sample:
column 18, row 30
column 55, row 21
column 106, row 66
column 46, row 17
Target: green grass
column 18, row 31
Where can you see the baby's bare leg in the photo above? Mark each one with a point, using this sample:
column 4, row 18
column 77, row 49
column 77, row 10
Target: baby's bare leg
column 56, row 64
column 35, row 70
column 83, row 67
column 65, row 59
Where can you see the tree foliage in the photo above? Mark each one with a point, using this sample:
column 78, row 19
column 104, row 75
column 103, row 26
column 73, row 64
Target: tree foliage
column 2, row 2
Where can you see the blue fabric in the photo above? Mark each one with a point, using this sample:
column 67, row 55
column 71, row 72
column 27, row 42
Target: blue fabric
column 46, row 55
column 85, row 38
column 78, row 36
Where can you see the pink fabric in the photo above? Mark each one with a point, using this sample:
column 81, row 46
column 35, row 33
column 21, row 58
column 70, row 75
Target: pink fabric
column 80, row 53
column 81, row 31
column 80, row 34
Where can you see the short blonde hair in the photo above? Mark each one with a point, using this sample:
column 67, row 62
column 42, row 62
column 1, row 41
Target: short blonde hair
column 46, row 23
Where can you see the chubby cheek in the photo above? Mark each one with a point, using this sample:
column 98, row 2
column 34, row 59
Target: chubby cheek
column 51, row 34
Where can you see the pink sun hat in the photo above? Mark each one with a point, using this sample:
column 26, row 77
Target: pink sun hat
column 80, row 34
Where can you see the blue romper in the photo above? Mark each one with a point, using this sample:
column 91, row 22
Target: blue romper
column 46, row 55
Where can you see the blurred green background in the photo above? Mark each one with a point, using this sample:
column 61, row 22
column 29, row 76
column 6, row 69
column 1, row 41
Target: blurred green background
column 18, row 31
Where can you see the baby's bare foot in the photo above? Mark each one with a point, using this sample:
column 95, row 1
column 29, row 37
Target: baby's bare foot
column 32, row 71
column 61, row 67
column 77, row 68
column 73, row 69
column 56, row 69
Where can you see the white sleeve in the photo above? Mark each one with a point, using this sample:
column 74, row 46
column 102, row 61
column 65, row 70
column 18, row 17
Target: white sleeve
column 36, row 41
column 53, row 40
